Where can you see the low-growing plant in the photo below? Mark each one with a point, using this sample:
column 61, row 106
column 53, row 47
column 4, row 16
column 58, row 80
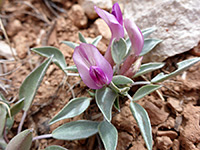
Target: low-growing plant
column 110, row 77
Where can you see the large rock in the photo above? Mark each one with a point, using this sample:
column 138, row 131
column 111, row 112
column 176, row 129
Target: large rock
column 177, row 23
column 88, row 6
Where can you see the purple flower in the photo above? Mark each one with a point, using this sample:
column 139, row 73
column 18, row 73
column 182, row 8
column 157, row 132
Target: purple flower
column 115, row 22
column 137, row 43
column 135, row 35
column 93, row 68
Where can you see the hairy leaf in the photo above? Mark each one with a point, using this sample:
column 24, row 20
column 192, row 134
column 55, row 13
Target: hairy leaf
column 21, row 141
column 143, row 122
column 76, row 130
column 105, row 98
column 108, row 134
column 75, row 107
column 32, row 82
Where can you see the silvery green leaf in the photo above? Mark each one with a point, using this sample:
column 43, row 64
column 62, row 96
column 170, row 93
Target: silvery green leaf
column 143, row 122
column 32, row 82
column 149, row 44
column 75, row 107
column 108, row 134
column 145, row 90
column 148, row 31
column 17, row 107
column 70, row 44
column 149, row 67
column 181, row 67
column 71, row 68
column 21, row 141
column 55, row 147
column 3, row 99
column 119, row 50
column 58, row 57
column 81, row 37
column 96, row 40
column 3, row 113
column 122, row 80
column 76, row 130
column 105, row 98
column 2, row 144
column 116, row 104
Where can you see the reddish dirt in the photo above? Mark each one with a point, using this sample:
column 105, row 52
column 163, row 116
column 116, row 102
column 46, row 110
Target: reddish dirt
column 175, row 119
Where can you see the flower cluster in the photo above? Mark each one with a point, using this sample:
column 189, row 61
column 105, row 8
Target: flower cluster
column 96, row 70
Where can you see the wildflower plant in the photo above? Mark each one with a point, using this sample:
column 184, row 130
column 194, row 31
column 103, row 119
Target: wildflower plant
column 110, row 77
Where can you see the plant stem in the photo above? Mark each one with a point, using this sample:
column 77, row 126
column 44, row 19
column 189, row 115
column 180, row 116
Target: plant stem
column 22, row 122
column 42, row 137
column 129, row 97
column 141, row 83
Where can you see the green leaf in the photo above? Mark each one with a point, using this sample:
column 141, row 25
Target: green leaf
column 9, row 122
column 149, row 67
column 105, row 98
column 149, row 44
column 184, row 65
column 55, row 147
column 116, row 104
column 122, row 80
column 71, row 68
column 148, row 31
column 21, row 141
column 128, row 45
column 3, row 113
column 119, row 50
column 143, row 122
column 3, row 99
column 80, row 129
column 81, row 37
column 75, row 107
column 108, row 134
column 32, row 82
column 2, row 144
column 70, row 44
column 96, row 40
column 58, row 57
column 145, row 90
column 17, row 107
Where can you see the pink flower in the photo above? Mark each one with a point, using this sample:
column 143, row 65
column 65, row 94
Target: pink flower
column 137, row 43
column 115, row 22
column 93, row 68
column 135, row 36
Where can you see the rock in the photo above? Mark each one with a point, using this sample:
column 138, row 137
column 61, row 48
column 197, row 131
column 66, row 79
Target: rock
column 138, row 144
column 157, row 116
column 21, row 44
column 164, row 143
column 13, row 27
column 177, row 23
column 5, row 50
column 125, row 140
column 196, row 50
column 103, row 28
column 88, row 6
column 77, row 15
column 171, row 134
column 176, row 145
column 125, row 121
column 174, row 105
column 190, row 131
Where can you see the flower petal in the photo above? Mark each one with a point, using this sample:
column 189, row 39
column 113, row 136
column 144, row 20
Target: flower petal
column 115, row 26
column 116, row 11
column 87, row 55
column 135, row 35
